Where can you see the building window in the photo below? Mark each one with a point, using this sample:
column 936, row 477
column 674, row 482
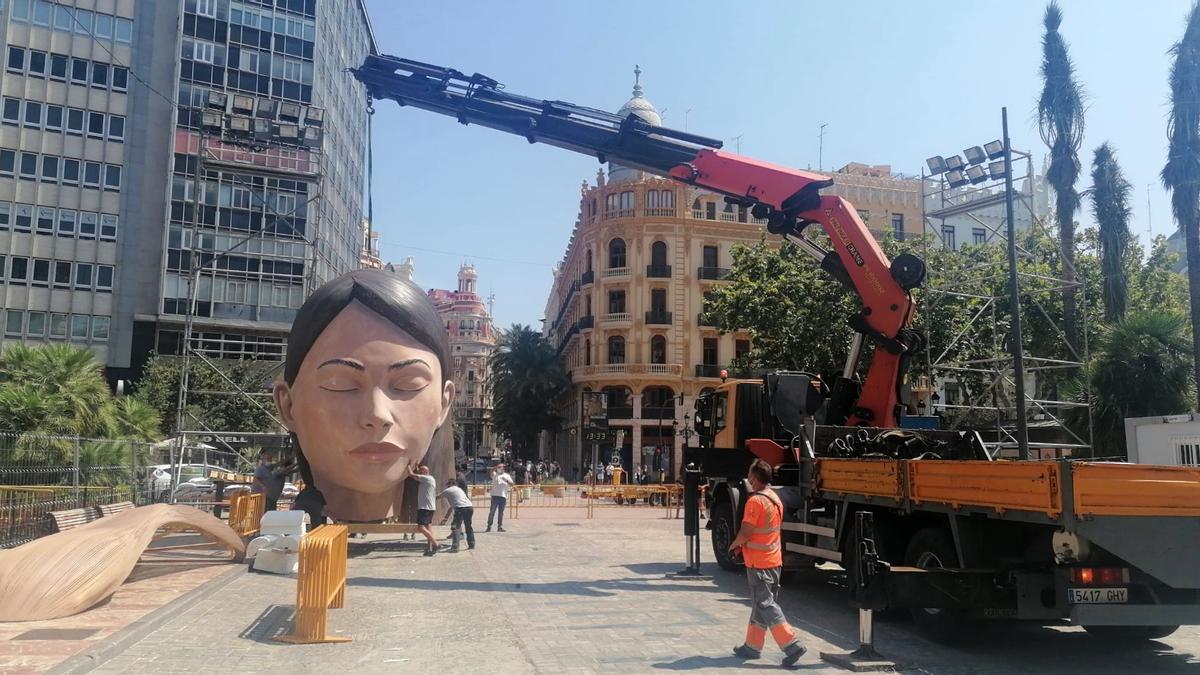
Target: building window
column 79, row 71
column 104, row 26
column 207, row 8
column 24, row 218
column 13, row 322
column 70, row 173
column 83, row 276
column 948, row 237
column 16, row 59
column 66, row 223
column 54, row 117
column 668, row 199
column 120, row 78
column 978, row 235
column 99, row 75
column 50, row 169
column 710, row 256
column 616, row 349
column 87, row 225
column 616, row 302
column 29, row 163
column 587, row 344
column 37, row 63
column 116, row 128
column 710, row 351
column 12, row 111
column 58, row 325
column 108, row 227
column 658, row 300
column 104, row 277
column 741, row 348
column 74, row 121
column 37, row 325
column 41, row 272
column 5, row 216
column 204, row 52
column 898, row 226
column 33, row 114
column 58, row 67
column 616, row 253
column 100, row 326
column 91, row 174
column 112, row 177
column 8, row 162
column 658, row 349
column 96, row 124
column 658, row 254
column 710, row 210
column 45, row 220
column 62, row 274
column 18, row 269
column 79, row 326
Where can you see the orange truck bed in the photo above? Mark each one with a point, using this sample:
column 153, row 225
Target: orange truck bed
column 1042, row 487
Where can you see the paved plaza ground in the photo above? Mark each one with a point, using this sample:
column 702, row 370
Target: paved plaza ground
column 558, row 593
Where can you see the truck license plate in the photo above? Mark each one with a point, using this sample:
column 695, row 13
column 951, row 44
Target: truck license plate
column 1082, row 596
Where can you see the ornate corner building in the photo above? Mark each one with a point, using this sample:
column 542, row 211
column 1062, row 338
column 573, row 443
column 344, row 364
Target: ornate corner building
column 472, row 340
column 626, row 307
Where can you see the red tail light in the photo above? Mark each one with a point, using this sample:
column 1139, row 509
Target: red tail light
column 1099, row 575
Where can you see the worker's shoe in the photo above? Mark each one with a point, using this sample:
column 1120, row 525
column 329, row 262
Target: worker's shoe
column 792, row 654
column 747, row 652
column 500, row 529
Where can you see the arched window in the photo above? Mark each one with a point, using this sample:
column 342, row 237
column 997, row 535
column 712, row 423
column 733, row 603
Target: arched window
column 587, row 352
column 616, row 253
column 616, row 349
column 627, row 200
column 589, row 260
column 652, row 199
column 593, row 206
column 697, row 207
column 658, row 349
column 658, row 254
column 658, row 403
column 587, row 304
column 668, row 199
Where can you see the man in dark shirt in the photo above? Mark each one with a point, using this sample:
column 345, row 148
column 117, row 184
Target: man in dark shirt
column 269, row 479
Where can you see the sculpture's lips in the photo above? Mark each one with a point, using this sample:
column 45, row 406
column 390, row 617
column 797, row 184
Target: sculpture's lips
column 377, row 452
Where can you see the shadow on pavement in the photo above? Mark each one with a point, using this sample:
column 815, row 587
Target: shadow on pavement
column 699, row 662
column 583, row 587
column 275, row 621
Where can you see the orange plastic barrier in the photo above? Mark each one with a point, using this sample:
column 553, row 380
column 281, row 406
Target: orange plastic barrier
column 246, row 512
column 1024, row 486
column 320, row 584
column 875, row 477
column 1107, row 489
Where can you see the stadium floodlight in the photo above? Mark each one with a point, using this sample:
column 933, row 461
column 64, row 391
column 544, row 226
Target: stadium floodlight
column 956, row 178
column 936, row 165
column 996, row 170
column 976, row 174
column 954, row 163
column 975, row 155
column 994, row 150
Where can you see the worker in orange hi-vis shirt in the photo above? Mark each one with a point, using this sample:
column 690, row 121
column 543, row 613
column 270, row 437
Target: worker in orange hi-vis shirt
column 762, row 550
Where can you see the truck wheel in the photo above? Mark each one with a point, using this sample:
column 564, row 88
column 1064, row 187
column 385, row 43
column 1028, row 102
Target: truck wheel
column 723, row 532
column 930, row 548
column 1130, row 633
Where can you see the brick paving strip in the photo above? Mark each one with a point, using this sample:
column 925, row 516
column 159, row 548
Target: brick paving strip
column 161, row 583
column 561, row 594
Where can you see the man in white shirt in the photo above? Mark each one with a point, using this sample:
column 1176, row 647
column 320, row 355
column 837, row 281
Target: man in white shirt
column 501, row 483
column 463, row 512
column 426, row 505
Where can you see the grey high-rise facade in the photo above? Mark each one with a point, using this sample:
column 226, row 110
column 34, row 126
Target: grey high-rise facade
column 116, row 190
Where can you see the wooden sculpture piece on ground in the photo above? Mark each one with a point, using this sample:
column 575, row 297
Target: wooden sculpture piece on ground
column 69, row 572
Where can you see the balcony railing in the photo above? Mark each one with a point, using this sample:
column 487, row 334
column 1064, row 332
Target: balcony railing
column 616, row 316
column 654, row 412
column 697, row 214
column 660, row 212
column 620, row 412
column 702, row 321
column 708, row 371
column 620, row 213
column 610, row 368
column 627, row 369
column 587, row 278
column 728, row 217
column 658, row 271
column 586, row 322
column 615, row 272
column 712, row 273
column 658, row 317
column 662, row 368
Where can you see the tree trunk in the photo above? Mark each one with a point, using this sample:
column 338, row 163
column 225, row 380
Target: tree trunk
column 1066, row 240
column 1192, row 236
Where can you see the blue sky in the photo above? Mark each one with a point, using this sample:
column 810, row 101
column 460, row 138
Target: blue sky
column 896, row 82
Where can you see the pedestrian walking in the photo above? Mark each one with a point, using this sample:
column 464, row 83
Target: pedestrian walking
column 268, row 480
column 759, row 540
column 426, row 505
column 501, row 484
column 463, row 512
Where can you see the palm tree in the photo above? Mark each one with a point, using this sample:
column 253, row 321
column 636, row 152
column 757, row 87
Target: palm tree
column 1110, row 205
column 1181, row 175
column 1060, row 120
column 1141, row 367
column 67, row 380
column 526, row 380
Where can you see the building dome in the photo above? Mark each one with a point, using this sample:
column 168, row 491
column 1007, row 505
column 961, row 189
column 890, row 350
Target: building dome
column 643, row 108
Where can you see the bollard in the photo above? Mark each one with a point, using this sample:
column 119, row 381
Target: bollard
column 864, row 569
column 691, row 521
column 320, row 584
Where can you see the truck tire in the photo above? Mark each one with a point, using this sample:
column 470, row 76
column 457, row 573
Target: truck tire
column 933, row 547
column 724, row 529
column 1130, row 633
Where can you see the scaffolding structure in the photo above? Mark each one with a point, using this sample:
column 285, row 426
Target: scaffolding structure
column 986, row 382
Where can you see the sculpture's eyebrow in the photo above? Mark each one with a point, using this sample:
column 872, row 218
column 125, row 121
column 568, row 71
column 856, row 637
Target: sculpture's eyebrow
column 342, row 362
column 406, row 363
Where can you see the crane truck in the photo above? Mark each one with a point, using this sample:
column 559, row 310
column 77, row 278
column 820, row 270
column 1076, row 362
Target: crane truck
column 956, row 534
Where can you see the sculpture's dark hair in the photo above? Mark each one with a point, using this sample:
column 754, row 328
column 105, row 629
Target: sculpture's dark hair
column 401, row 303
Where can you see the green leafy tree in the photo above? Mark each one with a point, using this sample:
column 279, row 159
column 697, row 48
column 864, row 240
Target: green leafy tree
column 211, row 398
column 1141, row 366
column 1181, row 175
column 1060, row 113
column 1110, row 206
column 526, row 380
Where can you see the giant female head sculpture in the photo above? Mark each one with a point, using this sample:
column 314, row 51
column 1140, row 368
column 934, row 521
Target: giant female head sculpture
column 366, row 393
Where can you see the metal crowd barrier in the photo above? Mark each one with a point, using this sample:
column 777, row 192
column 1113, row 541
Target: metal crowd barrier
column 590, row 497
column 320, row 584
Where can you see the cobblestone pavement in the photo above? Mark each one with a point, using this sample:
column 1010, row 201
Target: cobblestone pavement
column 560, row 594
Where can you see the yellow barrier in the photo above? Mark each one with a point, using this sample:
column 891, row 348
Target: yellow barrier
column 1135, row 490
column 1025, row 486
column 320, row 584
column 245, row 512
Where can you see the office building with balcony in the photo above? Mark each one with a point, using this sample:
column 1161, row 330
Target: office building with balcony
column 113, row 191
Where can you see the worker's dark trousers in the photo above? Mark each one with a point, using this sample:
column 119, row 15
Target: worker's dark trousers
column 765, row 613
column 462, row 516
column 497, row 505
